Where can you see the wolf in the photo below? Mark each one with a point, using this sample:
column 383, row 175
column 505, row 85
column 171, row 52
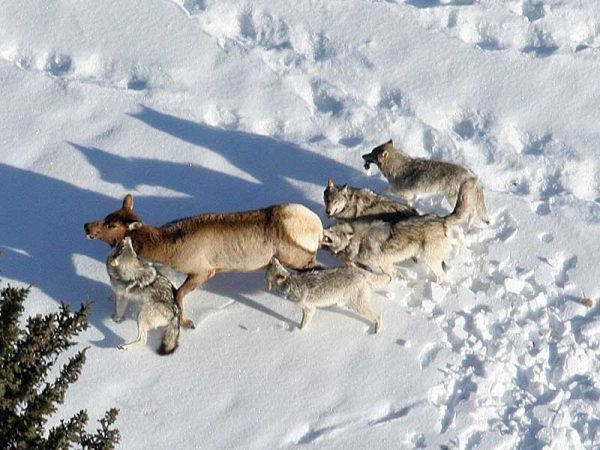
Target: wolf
column 412, row 177
column 343, row 202
column 132, row 278
column 204, row 245
column 350, row 286
column 380, row 244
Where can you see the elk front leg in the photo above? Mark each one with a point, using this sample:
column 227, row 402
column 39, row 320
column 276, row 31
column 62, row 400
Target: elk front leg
column 191, row 283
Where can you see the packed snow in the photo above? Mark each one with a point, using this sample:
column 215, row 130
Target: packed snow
column 204, row 106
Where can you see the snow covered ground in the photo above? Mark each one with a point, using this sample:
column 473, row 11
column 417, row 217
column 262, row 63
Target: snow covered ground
column 206, row 106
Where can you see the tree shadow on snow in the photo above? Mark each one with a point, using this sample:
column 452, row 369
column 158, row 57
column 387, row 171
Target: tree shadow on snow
column 271, row 162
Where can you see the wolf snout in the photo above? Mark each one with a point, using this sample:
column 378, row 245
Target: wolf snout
column 368, row 160
column 88, row 232
column 326, row 241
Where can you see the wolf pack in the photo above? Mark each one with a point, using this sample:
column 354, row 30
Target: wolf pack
column 372, row 232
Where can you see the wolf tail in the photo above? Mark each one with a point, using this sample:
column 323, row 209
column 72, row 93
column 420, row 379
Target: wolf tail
column 379, row 280
column 480, row 205
column 170, row 339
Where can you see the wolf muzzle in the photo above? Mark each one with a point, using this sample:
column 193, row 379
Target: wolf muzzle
column 326, row 241
column 88, row 233
column 369, row 159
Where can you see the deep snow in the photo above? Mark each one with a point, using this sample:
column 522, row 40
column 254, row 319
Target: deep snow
column 204, row 106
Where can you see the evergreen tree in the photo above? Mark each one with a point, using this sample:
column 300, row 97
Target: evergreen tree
column 27, row 399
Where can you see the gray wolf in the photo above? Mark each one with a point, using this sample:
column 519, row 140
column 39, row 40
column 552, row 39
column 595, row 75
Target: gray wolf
column 412, row 177
column 343, row 202
column 380, row 244
column 350, row 286
column 132, row 278
column 203, row 245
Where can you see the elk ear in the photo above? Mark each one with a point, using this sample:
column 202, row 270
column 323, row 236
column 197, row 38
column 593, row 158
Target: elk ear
column 135, row 225
column 128, row 202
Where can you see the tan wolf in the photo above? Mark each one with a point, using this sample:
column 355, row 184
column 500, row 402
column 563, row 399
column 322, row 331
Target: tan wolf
column 350, row 286
column 203, row 245
column 132, row 278
column 343, row 202
column 412, row 177
column 378, row 245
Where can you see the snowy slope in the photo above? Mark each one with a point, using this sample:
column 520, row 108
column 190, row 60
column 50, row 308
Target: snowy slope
column 204, row 106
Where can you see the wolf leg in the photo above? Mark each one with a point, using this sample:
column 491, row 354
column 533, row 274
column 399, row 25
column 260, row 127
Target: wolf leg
column 480, row 205
column 438, row 270
column 434, row 257
column 470, row 221
column 142, row 337
column 452, row 197
column 409, row 198
column 191, row 283
column 389, row 269
column 120, row 307
column 362, row 307
column 307, row 315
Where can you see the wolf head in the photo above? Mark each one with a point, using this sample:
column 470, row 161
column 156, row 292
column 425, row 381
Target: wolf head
column 335, row 198
column 112, row 228
column 379, row 154
column 337, row 237
column 276, row 274
column 123, row 254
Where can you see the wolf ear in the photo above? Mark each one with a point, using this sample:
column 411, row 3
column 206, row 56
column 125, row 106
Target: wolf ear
column 390, row 142
column 275, row 263
column 330, row 184
column 345, row 188
column 128, row 202
column 135, row 225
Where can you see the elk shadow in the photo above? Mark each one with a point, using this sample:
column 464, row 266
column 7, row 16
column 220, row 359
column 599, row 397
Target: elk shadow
column 41, row 235
column 41, row 230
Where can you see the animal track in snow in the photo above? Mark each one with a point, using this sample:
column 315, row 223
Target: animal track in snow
column 528, row 27
column 506, row 226
column 393, row 414
column 91, row 69
column 191, row 7
column 513, row 366
column 469, row 125
column 428, row 354
column 533, row 10
column 313, row 434
column 326, row 98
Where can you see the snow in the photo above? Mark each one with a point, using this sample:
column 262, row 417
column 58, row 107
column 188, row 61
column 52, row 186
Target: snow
column 203, row 106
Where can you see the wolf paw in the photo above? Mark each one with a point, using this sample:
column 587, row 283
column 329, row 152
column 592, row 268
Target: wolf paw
column 117, row 319
column 187, row 323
